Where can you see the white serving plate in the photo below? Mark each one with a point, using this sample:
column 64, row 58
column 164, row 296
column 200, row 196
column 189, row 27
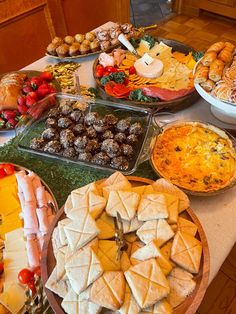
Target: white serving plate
column 221, row 110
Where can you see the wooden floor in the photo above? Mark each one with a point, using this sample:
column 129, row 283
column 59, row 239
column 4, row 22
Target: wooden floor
column 200, row 33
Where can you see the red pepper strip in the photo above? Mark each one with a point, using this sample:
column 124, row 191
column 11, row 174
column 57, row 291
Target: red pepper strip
column 117, row 90
column 166, row 94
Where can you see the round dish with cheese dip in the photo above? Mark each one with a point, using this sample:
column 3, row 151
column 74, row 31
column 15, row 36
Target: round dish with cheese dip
column 197, row 157
column 161, row 73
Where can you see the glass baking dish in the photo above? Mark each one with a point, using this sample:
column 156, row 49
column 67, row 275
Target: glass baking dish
column 136, row 114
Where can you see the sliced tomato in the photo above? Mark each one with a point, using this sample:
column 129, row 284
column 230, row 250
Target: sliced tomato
column 121, row 90
column 2, row 173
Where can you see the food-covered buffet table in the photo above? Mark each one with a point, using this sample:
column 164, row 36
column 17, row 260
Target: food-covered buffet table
column 216, row 213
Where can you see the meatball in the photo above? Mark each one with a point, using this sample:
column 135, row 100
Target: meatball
column 67, row 138
column 110, row 119
column 136, row 129
column 107, row 134
column 120, row 163
column 76, row 115
column 100, row 126
column 127, row 150
column 78, row 129
column 120, row 137
column 64, row 122
column 50, row 134
column 91, row 117
column 66, row 109
column 52, row 147
column 37, row 143
column 91, row 132
column 51, row 123
column 54, row 113
column 101, row 159
column 69, row 152
column 85, row 156
column 111, row 147
column 81, row 142
column 132, row 139
column 123, row 125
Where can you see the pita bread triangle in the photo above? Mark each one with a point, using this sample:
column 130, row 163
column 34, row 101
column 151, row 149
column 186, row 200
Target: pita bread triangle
column 187, row 226
column 82, row 269
column 129, row 306
column 132, row 225
column 186, row 251
column 109, row 290
column 58, row 286
column 162, row 185
column 68, row 204
column 158, row 230
column 91, row 187
column 115, row 179
column 147, row 283
column 161, row 307
column 70, row 302
column 85, row 305
column 123, row 202
column 152, row 206
column 151, row 250
column 82, row 231
column 96, row 204
column 181, row 285
column 107, row 254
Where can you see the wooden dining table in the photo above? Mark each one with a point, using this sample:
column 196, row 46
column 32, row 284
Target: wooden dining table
column 217, row 213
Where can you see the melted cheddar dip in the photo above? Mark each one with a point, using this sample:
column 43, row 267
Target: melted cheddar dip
column 195, row 157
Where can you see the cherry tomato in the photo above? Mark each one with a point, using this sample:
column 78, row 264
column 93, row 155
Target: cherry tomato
column 25, row 276
column 110, row 69
column 126, row 81
column 99, row 73
column 37, row 271
column 31, row 286
column 132, row 70
column 1, row 268
column 9, row 169
column 106, row 73
column 2, row 173
column 99, row 70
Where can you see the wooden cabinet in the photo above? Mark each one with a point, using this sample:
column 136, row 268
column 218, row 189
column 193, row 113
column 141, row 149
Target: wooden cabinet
column 26, row 26
column 222, row 7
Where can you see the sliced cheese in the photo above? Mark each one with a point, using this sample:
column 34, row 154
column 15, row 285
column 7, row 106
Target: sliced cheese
column 13, row 298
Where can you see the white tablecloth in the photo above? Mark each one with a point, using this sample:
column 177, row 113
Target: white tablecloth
column 216, row 213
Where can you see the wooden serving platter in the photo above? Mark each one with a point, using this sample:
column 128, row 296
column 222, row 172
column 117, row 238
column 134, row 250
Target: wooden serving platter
column 189, row 306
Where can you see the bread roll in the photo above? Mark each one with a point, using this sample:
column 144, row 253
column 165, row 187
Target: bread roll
column 10, row 90
column 217, row 47
column 226, row 55
column 208, row 58
column 230, row 46
column 201, row 74
column 216, row 70
column 208, row 85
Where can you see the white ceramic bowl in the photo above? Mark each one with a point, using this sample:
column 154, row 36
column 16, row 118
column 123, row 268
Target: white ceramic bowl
column 221, row 110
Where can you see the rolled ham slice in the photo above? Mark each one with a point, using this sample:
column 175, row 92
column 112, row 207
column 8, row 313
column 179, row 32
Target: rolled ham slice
column 165, row 94
column 32, row 249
